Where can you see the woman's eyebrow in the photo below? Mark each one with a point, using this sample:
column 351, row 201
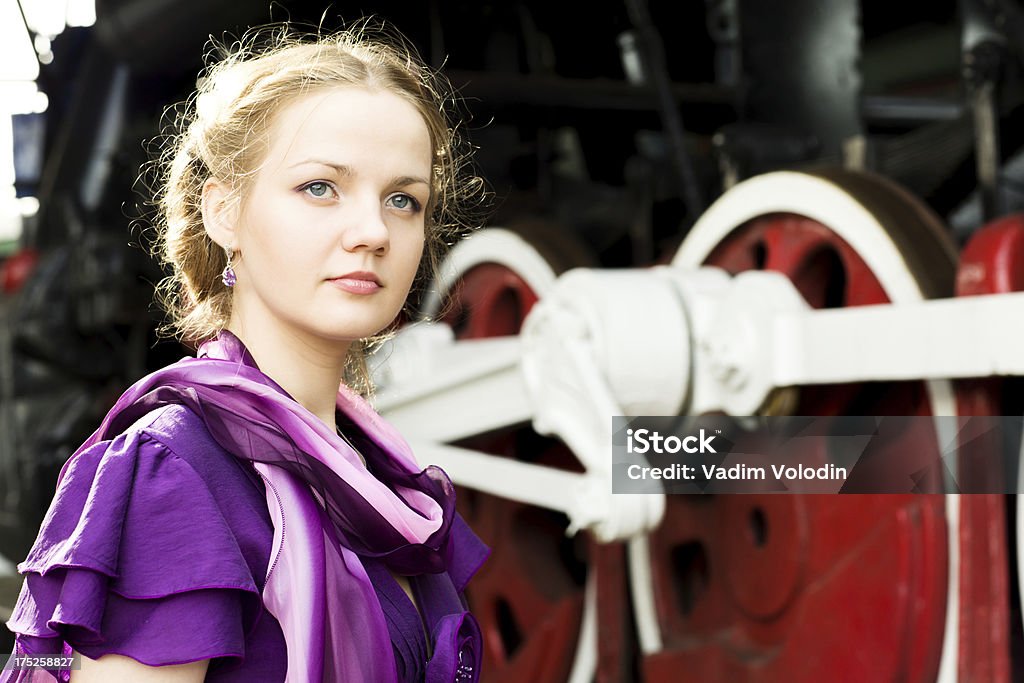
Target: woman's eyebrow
column 404, row 180
column 342, row 169
column 345, row 171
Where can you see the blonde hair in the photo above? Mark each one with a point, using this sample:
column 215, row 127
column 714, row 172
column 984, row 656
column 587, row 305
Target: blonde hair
column 221, row 132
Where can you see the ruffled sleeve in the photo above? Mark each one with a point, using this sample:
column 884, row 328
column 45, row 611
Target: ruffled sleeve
column 135, row 557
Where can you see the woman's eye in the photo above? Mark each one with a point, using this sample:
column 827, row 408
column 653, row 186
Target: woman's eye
column 404, row 202
column 318, row 189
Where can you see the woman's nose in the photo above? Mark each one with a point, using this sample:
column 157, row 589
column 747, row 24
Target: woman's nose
column 365, row 227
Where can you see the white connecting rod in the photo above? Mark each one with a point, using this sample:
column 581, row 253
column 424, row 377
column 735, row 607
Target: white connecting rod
column 978, row 336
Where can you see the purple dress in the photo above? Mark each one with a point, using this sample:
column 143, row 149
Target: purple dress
column 156, row 547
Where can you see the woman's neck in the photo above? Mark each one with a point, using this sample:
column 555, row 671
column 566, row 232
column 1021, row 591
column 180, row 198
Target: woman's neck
column 309, row 370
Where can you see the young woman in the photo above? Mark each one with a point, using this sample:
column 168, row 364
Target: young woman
column 245, row 515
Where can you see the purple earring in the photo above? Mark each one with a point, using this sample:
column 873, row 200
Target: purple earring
column 228, row 275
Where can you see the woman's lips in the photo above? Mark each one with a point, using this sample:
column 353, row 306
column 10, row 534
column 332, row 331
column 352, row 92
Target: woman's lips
column 357, row 284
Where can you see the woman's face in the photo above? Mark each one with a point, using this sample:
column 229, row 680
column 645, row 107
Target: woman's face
column 330, row 235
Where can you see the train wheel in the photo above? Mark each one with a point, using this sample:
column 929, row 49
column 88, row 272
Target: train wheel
column 761, row 588
column 529, row 596
column 992, row 262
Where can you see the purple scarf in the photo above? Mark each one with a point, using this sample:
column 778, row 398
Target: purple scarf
column 328, row 511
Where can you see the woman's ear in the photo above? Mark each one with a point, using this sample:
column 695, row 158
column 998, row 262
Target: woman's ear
column 220, row 212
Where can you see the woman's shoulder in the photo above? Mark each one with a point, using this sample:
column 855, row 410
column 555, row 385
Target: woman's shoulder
column 175, row 427
column 164, row 482
column 177, row 433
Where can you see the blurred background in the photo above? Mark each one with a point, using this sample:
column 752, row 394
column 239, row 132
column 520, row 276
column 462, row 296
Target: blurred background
column 605, row 129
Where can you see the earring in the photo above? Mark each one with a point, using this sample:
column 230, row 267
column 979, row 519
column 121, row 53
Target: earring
column 228, row 275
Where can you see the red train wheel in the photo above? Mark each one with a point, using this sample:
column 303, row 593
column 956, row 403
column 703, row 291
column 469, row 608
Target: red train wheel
column 809, row 588
column 528, row 597
column 992, row 262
